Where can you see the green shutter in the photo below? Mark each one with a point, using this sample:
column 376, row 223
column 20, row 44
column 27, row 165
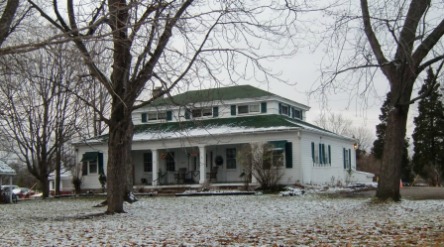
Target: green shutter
column 344, row 156
column 329, row 154
column 289, row 155
column 100, row 163
column 169, row 115
column 349, row 159
column 216, row 111
column 143, row 117
column 325, row 154
column 233, row 110
column 264, row 107
column 187, row 114
column 313, row 151
column 321, row 161
column 280, row 108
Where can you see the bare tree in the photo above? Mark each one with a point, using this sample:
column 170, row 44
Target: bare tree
column 39, row 113
column 167, row 43
column 398, row 38
column 263, row 162
column 364, row 138
column 8, row 12
column 336, row 123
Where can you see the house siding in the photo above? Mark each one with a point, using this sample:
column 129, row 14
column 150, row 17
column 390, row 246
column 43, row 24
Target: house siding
column 333, row 173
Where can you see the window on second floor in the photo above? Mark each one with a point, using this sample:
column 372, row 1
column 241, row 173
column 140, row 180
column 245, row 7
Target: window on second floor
column 201, row 112
column 245, row 109
column 154, row 116
column 297, row 114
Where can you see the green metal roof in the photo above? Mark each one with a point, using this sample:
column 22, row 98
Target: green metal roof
column 216, row 126
column 255, row 122
column 213, row 94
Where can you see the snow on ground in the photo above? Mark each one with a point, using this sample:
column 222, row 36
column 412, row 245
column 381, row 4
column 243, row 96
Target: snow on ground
column 266, row 220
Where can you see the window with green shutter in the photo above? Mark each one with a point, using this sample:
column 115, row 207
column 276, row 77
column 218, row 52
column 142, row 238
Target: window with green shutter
column 144, row 119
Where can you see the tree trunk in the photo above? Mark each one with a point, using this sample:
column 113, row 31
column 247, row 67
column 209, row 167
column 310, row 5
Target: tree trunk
column 45, row 186
column 390, row 174
column 119, row 144
column 57, row 179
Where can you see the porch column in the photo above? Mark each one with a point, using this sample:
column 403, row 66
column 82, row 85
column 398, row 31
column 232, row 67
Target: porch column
column 202, row 160
column 155, row 167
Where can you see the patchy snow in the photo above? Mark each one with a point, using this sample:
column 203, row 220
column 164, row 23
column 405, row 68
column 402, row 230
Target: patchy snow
column 203, row 132
column 5, row 169
column 266, row 220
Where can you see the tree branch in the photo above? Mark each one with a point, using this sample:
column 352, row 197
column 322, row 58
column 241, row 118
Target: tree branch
column 373, row 40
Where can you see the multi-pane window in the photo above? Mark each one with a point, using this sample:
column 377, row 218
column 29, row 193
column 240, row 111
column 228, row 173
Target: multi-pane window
column 242, row 109
column 93, row 167
column 321, row 154
column 92, row 163
column 201, row 112
column 274, row 158
column 254, row 108
column 231, row 158
column 245, row 109
column 297, row 114
column 152, row 116
column 148, row 162
column 284, row 110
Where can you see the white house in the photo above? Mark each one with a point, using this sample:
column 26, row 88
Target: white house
column 195, row 137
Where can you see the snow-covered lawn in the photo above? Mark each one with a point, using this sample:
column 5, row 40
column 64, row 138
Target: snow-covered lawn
column 264, row 220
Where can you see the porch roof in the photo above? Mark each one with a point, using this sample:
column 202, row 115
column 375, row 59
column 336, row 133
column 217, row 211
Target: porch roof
column 6, row 170
column 218, row 126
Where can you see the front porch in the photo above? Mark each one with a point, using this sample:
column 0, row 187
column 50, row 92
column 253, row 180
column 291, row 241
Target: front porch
column 189, row 167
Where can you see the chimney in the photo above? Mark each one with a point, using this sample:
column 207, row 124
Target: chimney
column 157, row 91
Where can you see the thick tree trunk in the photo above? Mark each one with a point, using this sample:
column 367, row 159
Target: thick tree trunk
column 119, row 144
column 45, row 186
column 390, row 174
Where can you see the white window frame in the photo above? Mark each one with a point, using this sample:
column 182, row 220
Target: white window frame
column 201, row 112
column 154, row 116
column 250, row 108
column 284, row 109
column 93, row 163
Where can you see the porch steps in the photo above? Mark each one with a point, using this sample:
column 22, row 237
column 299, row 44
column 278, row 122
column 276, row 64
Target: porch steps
column 188, row 190
column 216, row 193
